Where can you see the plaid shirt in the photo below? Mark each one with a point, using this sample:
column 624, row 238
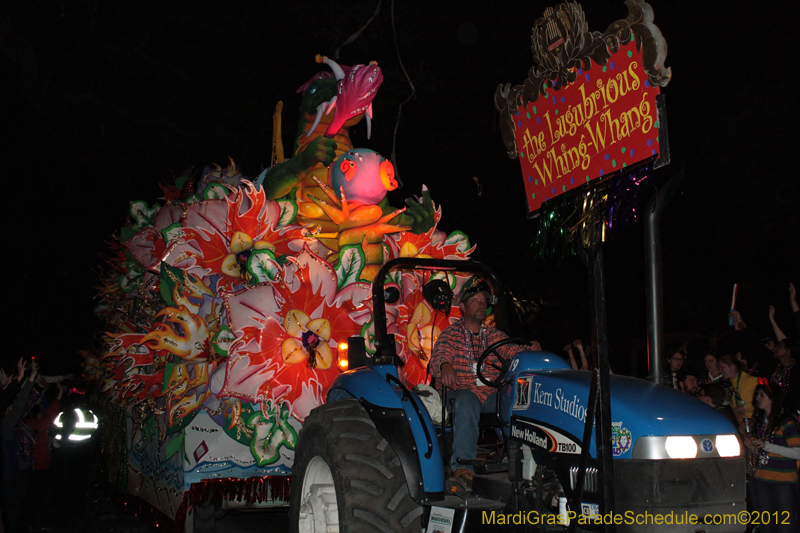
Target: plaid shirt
column 450, row 348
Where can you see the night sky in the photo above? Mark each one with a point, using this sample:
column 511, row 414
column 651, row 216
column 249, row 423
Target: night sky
column 101, row 101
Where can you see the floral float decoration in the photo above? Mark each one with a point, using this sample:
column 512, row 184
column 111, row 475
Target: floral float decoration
column 229, row 298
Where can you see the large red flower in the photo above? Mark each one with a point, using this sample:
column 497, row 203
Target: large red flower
column 287, row 334
column 217, row 234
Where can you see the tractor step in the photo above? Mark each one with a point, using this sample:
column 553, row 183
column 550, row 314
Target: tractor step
column 467, row 501
column 493, row 486
column 490, row 467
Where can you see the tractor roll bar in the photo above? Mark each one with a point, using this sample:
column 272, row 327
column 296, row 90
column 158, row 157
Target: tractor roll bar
column 385, row 352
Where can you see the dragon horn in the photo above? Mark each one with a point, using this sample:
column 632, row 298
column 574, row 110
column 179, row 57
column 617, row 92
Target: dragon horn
column 320, row 109
column 332, row 104
column 337, row 70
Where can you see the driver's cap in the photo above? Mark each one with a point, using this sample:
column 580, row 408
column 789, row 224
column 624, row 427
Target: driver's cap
column 473, row 286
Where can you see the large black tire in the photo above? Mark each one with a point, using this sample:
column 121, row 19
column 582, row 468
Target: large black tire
column 367, row 478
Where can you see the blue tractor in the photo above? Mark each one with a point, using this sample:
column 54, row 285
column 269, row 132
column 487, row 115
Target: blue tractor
column 371, row 458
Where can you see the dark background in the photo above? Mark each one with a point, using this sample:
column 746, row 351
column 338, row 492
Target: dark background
column 100, row 101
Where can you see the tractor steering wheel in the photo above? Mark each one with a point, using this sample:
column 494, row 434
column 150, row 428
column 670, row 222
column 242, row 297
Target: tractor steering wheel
column 503, row 364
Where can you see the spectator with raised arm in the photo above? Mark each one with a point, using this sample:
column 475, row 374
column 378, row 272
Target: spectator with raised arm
column 15, row 478
column 583, row 364
column 38, row 424
column 779, row 334
column 795, row 309
column 11, row 385
column 752, row 348
column 786, row 374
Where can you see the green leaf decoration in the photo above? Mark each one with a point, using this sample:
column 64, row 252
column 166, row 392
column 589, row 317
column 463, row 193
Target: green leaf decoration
column 168, row 368
column 172, row 232
column 239, row 432
column 288, row 212
column 170, row 276
column 222, row 341
column 262, row 266
column 460, row 239
column 127, row 233
column 149, row 431
column 447, row 277
column 368, row 333
column 176, row 444
column 142, row 214
column 351, row 263
column 132, row 279
column 216, row 191
column 395, row 276
column 272, row 432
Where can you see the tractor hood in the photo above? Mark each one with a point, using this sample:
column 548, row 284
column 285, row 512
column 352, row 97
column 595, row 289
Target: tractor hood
column 550, row 401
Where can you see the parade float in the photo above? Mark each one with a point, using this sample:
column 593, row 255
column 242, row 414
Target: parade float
column 227, row 306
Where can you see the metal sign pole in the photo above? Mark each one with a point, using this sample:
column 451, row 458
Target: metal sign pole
column 603, row 421
column 655, row 319
column 599, row 409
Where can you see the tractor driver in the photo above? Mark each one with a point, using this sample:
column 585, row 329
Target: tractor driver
column 454, row 365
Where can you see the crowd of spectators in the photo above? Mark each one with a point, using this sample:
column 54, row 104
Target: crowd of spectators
column 753, row 380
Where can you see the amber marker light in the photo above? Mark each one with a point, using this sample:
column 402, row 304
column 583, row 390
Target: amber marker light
column 343, row 362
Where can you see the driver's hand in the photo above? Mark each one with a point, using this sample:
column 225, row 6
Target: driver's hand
column 449, row 378
column 534, row 346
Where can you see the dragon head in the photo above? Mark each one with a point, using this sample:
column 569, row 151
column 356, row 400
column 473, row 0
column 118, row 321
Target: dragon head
column 347, row 90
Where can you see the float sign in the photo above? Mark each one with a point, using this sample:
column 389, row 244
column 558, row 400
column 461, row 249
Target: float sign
column 602, row 122
column 591, row 104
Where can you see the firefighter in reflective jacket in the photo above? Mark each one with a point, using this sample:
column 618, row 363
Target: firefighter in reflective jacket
column 73, row 455
column 75, row 425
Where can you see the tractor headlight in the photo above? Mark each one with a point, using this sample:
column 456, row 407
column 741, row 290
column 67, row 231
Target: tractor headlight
column 681, row 447
column 727, row 446
column 686, row 446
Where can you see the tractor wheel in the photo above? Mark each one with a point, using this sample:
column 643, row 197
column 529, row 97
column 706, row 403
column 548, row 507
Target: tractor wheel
column 345, row 474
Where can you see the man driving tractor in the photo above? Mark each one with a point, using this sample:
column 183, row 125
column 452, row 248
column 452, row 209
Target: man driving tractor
column 454, row 364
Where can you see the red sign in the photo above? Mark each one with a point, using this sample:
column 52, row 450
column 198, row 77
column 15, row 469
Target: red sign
column 600, row 123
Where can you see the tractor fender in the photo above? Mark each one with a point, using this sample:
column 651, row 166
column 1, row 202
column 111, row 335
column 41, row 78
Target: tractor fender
column 401, row 418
